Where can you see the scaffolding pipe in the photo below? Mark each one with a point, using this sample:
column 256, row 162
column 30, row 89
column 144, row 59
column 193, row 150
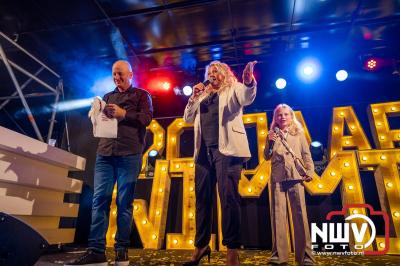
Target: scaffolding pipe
column 29, row 54
column 22, row 87
column 65, row 120
column 53, row 115
column 17, row 67
column 31, row 95
column 21, row 95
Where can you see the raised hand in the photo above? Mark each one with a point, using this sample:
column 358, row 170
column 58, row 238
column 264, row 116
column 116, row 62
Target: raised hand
column 248, row 73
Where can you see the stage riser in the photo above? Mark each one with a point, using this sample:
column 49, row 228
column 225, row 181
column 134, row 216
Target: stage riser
column 36, row 173
column 33, row 181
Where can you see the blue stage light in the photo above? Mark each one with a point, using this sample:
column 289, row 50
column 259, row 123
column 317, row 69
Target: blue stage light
column 187, row 90
column 73, row 104
column 341, row 75
column 280, row 83
column 308, row 70
column 316, row 144
column 153, row 153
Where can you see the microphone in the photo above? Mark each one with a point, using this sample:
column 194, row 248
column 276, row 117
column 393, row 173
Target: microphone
column 277, row 130
column 206, row 82
column 271, row 142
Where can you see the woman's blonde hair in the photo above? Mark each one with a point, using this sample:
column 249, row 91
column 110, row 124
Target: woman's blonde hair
column 228, row 76
column 295, row 127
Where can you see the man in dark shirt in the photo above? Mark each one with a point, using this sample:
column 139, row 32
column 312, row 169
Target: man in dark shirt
column 118, row 161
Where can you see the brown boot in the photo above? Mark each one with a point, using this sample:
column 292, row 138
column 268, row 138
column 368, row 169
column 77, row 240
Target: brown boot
column 232, row 257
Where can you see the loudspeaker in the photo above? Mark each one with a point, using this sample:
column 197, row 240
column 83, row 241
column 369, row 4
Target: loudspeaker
column 20, row 244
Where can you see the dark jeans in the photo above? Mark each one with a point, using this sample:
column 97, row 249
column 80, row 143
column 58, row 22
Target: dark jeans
column 110, row 169
column 213, row 167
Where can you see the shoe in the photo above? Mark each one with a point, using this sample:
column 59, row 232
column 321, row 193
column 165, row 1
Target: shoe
column 307, row 262
column 90, row 258
column 121, row 257
column 206, row 252
column 275, row 261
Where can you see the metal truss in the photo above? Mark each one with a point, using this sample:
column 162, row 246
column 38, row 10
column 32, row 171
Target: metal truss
column 54, row 90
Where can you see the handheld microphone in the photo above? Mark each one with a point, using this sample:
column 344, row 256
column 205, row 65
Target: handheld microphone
column 206, row 82
column 272, row 142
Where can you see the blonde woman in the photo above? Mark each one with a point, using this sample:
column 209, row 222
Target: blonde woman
column 289, row 144
column 221, row 147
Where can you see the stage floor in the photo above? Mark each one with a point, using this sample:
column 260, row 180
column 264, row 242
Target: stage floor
column 247, row 257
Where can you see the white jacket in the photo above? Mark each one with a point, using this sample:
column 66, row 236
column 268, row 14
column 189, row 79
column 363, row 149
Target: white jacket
column 232, row 139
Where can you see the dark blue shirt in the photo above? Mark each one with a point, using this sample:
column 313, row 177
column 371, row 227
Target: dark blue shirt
column 209, row 120
column 132, row 129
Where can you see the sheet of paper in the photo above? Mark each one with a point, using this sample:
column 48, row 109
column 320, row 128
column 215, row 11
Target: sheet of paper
column 103, row 127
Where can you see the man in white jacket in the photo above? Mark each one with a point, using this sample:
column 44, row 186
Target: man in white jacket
column 221, row 147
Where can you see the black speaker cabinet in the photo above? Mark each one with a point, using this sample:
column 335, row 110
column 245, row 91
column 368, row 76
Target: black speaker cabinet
column 20, row 244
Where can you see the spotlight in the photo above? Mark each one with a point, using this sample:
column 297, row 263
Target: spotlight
column 153, row 153
column 166, row 85
column 341, row 75
column 308, row 70
column 151, row 163
column 73, row 104
column 216, row 56
column 374, row 63
column 216, row 52
column 162, row 84
column 187, row 90
column 371, row 64
column 316, row 144
column 317, row 150
column 280, row 83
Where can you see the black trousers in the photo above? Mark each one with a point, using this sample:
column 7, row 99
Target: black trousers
column 213, row 167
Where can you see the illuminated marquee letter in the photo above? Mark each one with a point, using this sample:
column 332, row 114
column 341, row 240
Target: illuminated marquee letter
column 151, row 221
column 337, row 139
column 254, row 187
column 384, row 137
column 343, row 167
column 183, row 168
column 385, row 163
column 158, row 143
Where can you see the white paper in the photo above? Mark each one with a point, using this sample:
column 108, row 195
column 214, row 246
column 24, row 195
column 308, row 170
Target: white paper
column 103, row 127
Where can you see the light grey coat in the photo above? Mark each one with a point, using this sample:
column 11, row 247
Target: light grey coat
column 232, row 139
column 282, row 163
column 286, row 185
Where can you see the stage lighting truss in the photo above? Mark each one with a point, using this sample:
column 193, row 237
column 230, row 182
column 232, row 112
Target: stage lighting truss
column 55, row 91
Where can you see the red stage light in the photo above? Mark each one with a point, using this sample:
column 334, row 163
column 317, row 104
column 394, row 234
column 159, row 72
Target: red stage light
column 159, row 84
column 166, row 85
column 375, row 63
column 371, row 64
